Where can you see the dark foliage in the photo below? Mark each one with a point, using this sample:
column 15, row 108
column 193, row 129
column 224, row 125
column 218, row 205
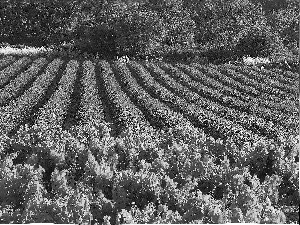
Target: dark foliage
column 256, row 44
column 176, row 29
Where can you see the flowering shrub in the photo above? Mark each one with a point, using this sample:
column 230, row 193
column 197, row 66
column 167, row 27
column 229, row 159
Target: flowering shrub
column 226, row 151
column 142, row 176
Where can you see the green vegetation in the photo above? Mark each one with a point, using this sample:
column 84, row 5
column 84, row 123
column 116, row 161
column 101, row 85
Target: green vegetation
column 218, row 31
column 149, row 111
column 110, row 142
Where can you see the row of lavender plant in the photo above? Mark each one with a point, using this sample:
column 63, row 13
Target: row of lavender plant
column 174, row 86
column 12, row 89
column 267, row 91
column 266, row 108
column 279, row 74
column 13, row 114
column 209, row 118
column 274, row 74
column 274, row 102
column 289, row 102
column 266, row 81
column 228, row 80
column 210, row 82
column 124, row 112
column 224, row 106
column 225, row 100
column 193, row 75
column 274, row 106
column 214, row 110
column 11, row 71
column 155, row 111
column 6, row 60
column 53, row 113
column 254, row 96
column 157, row 91
column 91, row 109
column 193, row 80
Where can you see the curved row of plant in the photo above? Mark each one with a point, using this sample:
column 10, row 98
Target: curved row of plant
column 255, row 97
column 198, row 76
column 16, row 86
column 205, row 118
column 281, row 75
column 257, row 106
column 13, row 114
column 271, row 93
column 54, row 111
column 125, row 113
column 215, row 110
column 212, row 96
column 249, row 121
column 266, row 81
column 156, row 112
column 288, row 102
column 11, row 71
column 288, row 93
column 284, row 101
column 196, row 101
column 6, row 61
column 201, row 78
column 91, row 108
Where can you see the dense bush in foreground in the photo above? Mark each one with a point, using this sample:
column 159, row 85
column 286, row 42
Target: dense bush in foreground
column 145, row 176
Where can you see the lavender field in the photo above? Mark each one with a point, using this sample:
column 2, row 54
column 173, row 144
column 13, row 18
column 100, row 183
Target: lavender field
column 110, row 142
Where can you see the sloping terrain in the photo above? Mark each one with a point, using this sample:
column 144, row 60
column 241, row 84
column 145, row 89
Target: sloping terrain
column 109, row 142
column 226, row 101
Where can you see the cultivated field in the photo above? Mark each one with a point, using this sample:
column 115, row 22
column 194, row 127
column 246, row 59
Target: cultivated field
column 226, row 101
column 100, row 142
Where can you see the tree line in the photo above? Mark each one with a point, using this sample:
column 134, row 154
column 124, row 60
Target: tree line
column 153, row 28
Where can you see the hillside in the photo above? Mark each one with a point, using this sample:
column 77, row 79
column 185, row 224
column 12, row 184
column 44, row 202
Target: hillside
column 225, row 101
column 110, row 142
